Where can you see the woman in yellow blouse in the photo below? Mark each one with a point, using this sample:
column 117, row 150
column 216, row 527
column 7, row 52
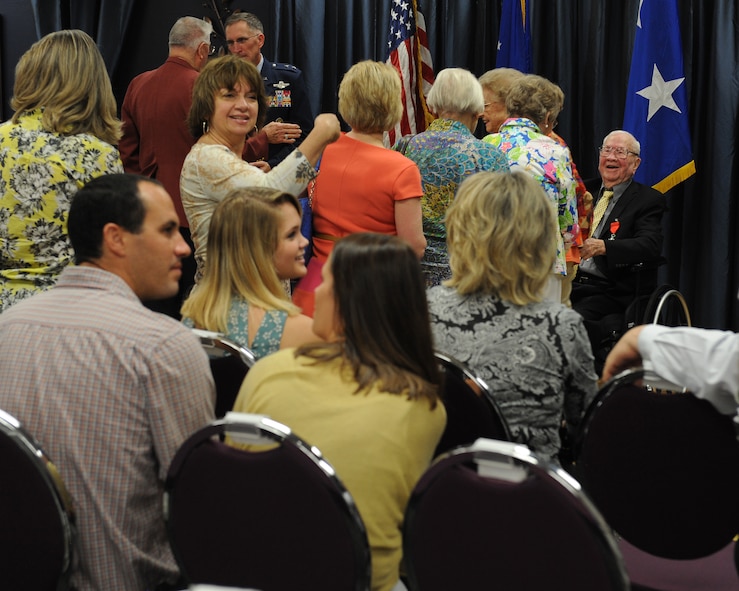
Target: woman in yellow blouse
column 61, row 135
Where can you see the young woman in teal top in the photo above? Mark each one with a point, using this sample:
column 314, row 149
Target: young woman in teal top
column 254, row 247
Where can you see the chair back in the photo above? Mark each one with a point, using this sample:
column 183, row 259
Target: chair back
column 494, row 516
column 37, row 537
column 667, row 307
column 471, row 411
column 662, row 468
column 277, row 519
column 229, row 363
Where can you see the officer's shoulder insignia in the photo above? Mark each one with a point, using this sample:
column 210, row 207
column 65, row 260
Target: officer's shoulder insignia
column 285, row 67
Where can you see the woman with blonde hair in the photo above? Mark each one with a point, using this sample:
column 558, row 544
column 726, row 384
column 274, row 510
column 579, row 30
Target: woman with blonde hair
column 62, row 134
column 534, row 354
column 368, row 398
column 363, row 186
column 228, row 103
column 254, row 245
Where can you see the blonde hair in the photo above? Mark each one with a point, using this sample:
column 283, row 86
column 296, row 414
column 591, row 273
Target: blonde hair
column 501, row 236
column 533, row 97
column 242, row 240
column 370, row 97
column 456, row 90
column 499, row 81
column 64, row 74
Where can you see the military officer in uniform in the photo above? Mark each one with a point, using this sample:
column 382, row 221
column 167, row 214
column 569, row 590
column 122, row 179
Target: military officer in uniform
column 283, row 83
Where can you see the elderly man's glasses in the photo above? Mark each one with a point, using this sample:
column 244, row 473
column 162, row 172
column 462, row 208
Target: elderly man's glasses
column 212, row 49
column 240, row 40
column 617, row 152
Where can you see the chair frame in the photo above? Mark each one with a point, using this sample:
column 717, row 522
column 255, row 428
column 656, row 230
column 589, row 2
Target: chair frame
column 514, row 463
column 221, row 351
column 626, row 378
column 478, row 387
column 12, row 428
column 259, row 430
column 217, row 345
column 664, row 300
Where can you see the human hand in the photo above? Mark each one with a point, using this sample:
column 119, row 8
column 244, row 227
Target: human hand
column 592, row 247
column 281, row 133
column 624, row 355
column 328, row 127
column 261, row 165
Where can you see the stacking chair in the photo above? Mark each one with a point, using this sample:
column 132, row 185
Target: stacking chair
column 470, row 408
column 667, row 307
column 229, row 363
column 275, row 519
column 37, row 535
column 494, row 516
column 663, row 469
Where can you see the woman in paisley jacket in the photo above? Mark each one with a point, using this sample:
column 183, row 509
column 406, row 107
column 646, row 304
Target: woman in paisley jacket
column 227, row 104
column 254, row 245
column 62, row 134
column 534, row 354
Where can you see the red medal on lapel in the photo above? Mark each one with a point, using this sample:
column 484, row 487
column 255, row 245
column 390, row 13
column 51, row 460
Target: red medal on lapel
column 615, row 225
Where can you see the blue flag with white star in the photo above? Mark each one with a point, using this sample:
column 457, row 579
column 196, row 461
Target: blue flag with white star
column 657, row 100
column 514, row 38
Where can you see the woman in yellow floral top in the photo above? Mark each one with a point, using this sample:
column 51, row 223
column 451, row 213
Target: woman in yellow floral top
column 62, row 135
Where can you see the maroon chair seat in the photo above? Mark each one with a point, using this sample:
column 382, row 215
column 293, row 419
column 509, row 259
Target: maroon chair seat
column 229, row 363
column 37, row 534
column 471, row 411
column 275, row 520
column 493, row 516
column 663, row 469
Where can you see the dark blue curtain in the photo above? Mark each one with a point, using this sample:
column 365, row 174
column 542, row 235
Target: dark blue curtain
column 105, row 21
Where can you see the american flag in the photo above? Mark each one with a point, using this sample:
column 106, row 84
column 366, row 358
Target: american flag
column 408, row 53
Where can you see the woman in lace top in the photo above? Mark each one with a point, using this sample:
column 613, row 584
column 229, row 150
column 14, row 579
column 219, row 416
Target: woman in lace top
column 534, row 354
column 228, row 101
column 254, row 245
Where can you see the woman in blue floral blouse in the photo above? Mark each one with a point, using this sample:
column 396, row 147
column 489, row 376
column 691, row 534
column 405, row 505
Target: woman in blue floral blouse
column 61, row 135
column 447, row 153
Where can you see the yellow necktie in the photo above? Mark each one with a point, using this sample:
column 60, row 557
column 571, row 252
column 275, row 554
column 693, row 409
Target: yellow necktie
column 600, row 209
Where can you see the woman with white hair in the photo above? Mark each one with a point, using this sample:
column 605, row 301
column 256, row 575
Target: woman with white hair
column 446, row 153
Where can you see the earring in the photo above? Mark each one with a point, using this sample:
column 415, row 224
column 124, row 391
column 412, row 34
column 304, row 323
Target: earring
column 206, row 127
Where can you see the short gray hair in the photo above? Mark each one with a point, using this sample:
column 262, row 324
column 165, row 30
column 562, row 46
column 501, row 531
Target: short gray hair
column 190, row 32
column 456, row 90
column 250, row 19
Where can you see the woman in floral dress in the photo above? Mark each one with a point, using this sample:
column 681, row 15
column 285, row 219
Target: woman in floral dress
column 534, row 103
column 61, row 135
column 447, row 153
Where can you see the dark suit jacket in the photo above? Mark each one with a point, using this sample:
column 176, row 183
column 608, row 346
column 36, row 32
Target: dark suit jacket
column 288, row 100
column 638, row 238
